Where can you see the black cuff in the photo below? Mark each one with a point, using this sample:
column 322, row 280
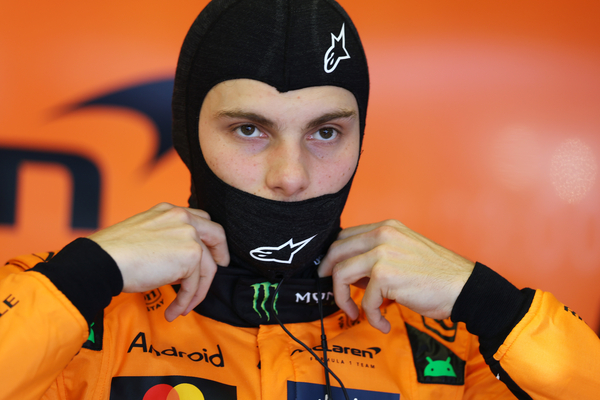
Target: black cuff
column 491, row 307
column 86, row 274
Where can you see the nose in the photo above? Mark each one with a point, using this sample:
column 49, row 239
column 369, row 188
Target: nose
column 287, row 177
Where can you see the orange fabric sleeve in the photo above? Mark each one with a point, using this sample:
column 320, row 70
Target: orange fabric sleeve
column 41, row 330
column 552, row 353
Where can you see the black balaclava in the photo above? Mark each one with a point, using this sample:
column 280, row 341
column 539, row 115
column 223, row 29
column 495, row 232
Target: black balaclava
column 289, row 45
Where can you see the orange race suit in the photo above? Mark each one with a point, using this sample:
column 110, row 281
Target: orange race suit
column 61, row 339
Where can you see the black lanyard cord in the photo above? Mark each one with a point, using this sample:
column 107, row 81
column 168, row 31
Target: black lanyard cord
column 323, row 340
column 323, row 343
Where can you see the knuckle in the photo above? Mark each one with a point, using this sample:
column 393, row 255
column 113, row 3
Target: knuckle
column 332, row 253
column 198, row 214
column 370, row 311
column 210, row 269
column 178, row 213
column 382, row 251
column 385, row 232
column 212, row 234
column 163, row 206
column 394, row 223
column 337, row 273
column 189, row 232
column 184, row 291
column 336, row 243
column 377, row 272
column 192, row 253
column 365, row 306
column 203, row 214
column 220, row 231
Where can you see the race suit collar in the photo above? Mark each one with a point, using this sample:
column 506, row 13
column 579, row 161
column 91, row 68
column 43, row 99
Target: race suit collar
column 239, row 298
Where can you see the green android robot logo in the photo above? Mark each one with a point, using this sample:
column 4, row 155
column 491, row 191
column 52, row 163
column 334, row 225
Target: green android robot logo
column 439, row 368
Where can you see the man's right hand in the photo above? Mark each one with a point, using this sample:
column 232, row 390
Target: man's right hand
column 167, row 245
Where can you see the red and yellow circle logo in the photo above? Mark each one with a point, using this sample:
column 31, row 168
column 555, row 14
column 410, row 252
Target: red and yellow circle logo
column 183, row 391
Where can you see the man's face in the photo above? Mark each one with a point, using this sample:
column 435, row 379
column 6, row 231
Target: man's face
column 281, row 146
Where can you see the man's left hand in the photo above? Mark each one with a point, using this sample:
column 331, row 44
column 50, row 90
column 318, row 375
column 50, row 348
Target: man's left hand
column 393, row 262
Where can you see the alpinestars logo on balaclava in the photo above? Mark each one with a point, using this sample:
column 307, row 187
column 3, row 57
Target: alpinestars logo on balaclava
column 282, row 254
column 287, row 47
column 336, row 52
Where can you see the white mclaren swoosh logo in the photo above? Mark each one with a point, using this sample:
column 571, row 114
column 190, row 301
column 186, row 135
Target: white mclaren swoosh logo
column 281, row 254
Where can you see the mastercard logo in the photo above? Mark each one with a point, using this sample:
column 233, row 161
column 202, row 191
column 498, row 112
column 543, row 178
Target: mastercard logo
column 183, row 391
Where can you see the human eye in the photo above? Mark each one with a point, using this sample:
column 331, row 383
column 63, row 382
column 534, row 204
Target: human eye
column 325, row 134
column 248, row 130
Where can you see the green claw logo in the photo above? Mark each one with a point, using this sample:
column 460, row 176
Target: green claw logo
column 266, row 286
column 439, row 368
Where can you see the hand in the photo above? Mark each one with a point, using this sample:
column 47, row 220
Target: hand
column 167, row 245
column 393, row 262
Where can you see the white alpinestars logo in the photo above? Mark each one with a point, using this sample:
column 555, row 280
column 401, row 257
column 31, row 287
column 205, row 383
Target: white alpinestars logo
column 281, row 254
column 336, row 52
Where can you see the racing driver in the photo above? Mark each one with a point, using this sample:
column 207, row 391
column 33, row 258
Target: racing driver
column 254, row 291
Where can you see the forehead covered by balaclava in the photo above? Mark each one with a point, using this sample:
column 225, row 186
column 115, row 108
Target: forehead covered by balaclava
column 288, row 44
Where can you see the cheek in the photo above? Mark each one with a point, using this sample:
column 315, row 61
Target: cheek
column 233, row 168
column 334, row 174
column 217, row 155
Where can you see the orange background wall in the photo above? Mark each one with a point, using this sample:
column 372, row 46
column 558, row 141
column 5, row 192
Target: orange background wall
column 483, row 130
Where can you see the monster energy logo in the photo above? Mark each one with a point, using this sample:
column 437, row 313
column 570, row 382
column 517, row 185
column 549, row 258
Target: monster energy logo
column 267, row 286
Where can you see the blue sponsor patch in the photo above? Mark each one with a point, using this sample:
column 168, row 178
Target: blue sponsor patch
column 313, row 391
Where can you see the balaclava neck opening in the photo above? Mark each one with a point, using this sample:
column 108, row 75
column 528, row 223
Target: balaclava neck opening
column 289, row 45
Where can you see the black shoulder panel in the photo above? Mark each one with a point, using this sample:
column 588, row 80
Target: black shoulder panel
column 434, row 362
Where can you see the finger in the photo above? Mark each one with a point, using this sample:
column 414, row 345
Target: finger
column 344, row 249
column 343, row 299
column 193, row 288
column 207, row 274
column 199, row 213
column 357, row 230
column 346, row 273
column 200, row 295
column 189, row 286
column 371, row 302
column 213, row 236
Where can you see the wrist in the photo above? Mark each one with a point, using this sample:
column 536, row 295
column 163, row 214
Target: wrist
column 85, row 274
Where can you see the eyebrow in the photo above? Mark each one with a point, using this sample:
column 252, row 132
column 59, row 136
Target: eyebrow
column 266, row 122
column 323, row 119
column 239, row 114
